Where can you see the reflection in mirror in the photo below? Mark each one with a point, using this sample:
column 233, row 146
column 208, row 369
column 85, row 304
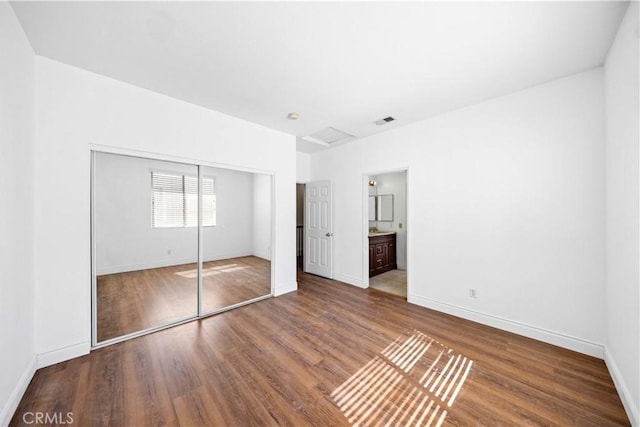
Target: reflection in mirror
column 145, row 217
column 145, row 236
column 237, row 242
column 372, row 208
column 385, row 207
column 381, row 208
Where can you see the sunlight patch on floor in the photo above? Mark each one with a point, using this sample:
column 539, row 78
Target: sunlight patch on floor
column 414, row 381
column 211, row 271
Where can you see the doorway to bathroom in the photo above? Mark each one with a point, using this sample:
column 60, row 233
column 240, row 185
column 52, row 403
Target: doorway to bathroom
column 387, row 232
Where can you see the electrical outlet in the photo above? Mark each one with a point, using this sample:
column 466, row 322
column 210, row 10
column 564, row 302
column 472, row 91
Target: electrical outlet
column 399, row 225
column 472, row 293
column 168, row 251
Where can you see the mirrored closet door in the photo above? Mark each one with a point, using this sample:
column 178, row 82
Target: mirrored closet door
column 173, row 242
column 237, row 244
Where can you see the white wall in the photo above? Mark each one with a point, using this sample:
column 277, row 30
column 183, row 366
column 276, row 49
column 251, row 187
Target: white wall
column 17, row 359
column 622, row 213
column 394, row 183
column 261, row 216
column 125, row 240
column 78, row 108
column 505, row 197
column 303, row 167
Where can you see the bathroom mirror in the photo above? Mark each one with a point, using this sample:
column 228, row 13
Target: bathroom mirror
column 372, row 208
column 381, row 208
column 385, row 207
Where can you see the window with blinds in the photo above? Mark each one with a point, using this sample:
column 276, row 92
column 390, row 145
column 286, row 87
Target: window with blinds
column 174, row 201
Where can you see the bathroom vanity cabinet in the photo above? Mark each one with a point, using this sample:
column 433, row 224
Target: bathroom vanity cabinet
column 382, row 253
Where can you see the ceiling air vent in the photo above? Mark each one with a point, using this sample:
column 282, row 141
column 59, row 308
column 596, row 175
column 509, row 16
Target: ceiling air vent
column 329, row 135
column 384, row 121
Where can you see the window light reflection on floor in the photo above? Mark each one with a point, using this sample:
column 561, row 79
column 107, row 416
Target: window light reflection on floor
column 413, row 382
column 211, row 271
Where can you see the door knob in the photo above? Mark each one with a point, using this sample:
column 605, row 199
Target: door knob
column 329, row 234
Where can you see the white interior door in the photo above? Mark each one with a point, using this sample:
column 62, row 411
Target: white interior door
column 318, row 229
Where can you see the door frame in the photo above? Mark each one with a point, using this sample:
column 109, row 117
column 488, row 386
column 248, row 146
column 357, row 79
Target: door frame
column 365, row 223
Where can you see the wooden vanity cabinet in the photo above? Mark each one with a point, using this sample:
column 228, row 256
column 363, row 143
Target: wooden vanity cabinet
column 382, row 254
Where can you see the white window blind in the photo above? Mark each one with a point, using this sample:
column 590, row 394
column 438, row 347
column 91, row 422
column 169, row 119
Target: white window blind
column 174, row 201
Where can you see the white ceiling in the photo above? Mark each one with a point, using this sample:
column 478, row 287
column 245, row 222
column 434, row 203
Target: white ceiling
column 338, row 64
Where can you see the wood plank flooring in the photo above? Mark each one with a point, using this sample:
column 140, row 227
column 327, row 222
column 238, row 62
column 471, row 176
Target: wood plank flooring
column 328, row 354
column 137, row 300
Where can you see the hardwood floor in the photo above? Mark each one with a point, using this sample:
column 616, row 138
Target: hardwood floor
column 137, row 300
column 328, row 354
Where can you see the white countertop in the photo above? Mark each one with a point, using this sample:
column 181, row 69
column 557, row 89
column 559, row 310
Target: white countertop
column 381, row 233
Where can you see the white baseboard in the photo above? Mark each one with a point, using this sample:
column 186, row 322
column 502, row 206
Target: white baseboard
column 17, row 393
column 264, row 255
column 166, row 263
column 143, row 266
column 63, row 354
column 630, row 406
column 285, row 289
column 562, row 340
column 355, row 281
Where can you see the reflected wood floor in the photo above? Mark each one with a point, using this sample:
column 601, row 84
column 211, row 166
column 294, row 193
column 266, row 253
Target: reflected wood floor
column 329, row 354
column 137, row 300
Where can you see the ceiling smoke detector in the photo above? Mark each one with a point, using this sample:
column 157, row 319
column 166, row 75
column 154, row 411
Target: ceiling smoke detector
column 384, row 121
